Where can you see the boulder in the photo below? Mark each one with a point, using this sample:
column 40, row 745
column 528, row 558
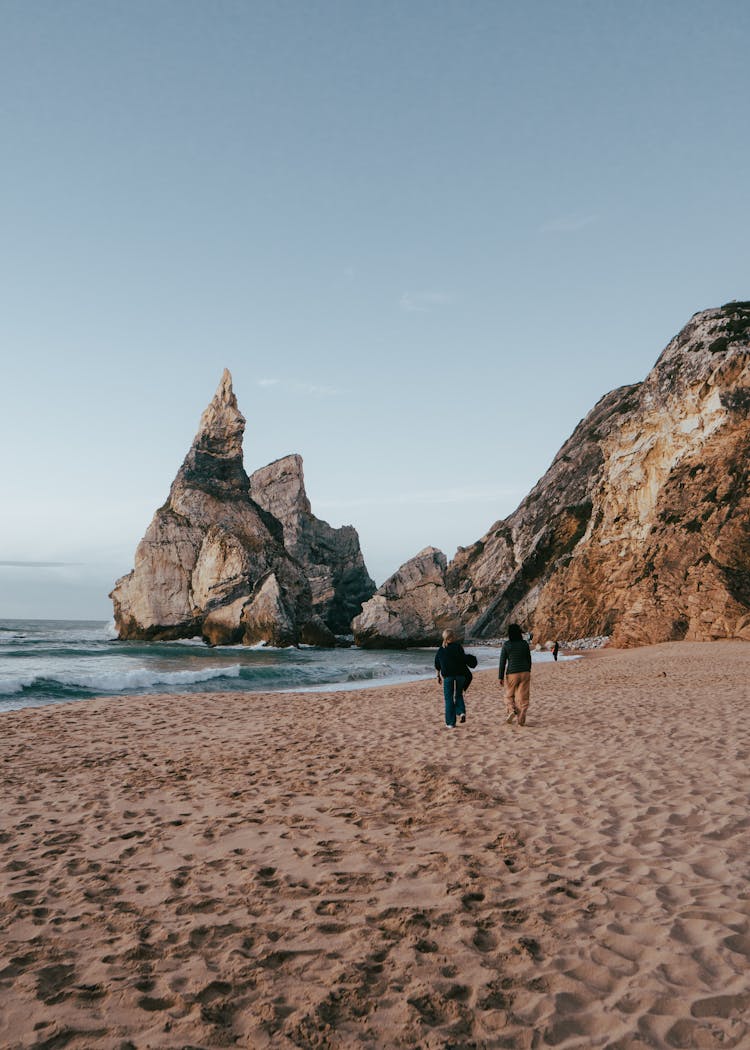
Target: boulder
column 412, row 608
column 267, row 617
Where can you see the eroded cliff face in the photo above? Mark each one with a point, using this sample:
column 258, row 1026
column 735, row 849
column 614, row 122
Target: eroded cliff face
column 213, row 562
column 332, row 558
column 640, row 529
column 667, row 551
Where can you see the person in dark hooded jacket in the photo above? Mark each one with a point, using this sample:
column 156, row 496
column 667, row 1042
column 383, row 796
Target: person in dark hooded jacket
column 515, row 674
column 450, row 664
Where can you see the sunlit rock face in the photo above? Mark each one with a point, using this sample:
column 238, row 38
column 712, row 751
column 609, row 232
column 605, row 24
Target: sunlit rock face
column 411, row 608
column 332, row 558
column 213, row 562
column 640, row 529
column 666, row 554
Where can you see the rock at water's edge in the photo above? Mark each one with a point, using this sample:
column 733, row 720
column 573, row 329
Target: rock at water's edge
column 332, row 558
column 212, row 561
column 412, row 608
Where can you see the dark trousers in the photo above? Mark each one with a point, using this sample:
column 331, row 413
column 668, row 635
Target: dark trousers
column 453, row 691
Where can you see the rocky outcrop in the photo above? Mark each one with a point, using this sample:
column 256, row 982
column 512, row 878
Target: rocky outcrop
column 212, row 561
column 412, row 607
column 640, row 529
column 332, row 558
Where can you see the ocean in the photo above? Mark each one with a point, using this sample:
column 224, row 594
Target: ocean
column 55, row 661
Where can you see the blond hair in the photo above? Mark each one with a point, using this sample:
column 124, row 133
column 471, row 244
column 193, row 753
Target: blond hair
column 448, row 636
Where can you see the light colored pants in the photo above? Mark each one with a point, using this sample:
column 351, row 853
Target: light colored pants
column 517, row 688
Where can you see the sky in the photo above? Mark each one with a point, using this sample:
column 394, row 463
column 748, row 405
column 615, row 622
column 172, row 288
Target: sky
column 424, row 237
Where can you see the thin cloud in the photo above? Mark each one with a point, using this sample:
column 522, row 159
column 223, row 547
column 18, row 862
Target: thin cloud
column 423, row 302
column 267, row 382
column 569, row 223
column 39, row 564
column 318, row 390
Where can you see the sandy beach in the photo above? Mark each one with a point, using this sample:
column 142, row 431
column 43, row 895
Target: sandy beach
column 339, row 870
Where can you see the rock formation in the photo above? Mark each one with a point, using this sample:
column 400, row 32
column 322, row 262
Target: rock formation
column 212, row 561
column 640, row 529
column 332, row 558
column 412, row 605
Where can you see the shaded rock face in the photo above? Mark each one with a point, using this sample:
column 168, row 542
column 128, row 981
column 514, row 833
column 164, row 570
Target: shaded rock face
column 412, row 607
column 640, row 529
column 212, row 561
column 332, row 558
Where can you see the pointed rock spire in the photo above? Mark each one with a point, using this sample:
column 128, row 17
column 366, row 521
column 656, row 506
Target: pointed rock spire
column 222, row 425
column 214, row 462
column 209, row 549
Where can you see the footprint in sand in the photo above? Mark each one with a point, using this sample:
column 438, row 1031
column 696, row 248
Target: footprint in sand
column 333, row 927
column 724, row 1006
column 483, row 940
column 529, row 946
column 738, row 943
column 686, row 1033
column 153, row 1004
column 53, row 982
column 329, row 851
column 429, row 1009
column 472, row 899
column 17, row 965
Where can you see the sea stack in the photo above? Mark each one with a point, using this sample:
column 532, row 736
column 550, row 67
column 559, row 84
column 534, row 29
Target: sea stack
column 212, row 561
column 640, row 529
column 332, row 558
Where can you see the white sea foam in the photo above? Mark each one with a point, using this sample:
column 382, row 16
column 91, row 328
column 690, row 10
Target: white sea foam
column 140, row 678
column 8, row 686
column 120, row 681
column 354, row 684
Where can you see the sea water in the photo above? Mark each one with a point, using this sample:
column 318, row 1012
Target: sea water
column 51, row 661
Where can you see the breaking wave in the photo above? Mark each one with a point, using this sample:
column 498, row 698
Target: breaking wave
column 118, row 681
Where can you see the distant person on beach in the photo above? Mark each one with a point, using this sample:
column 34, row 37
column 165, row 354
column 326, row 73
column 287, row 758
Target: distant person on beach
column 515, row 673
column 556, row 650
column 452, row 671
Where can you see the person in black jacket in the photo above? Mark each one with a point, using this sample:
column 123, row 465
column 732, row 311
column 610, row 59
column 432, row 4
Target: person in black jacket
column 515, row 659
column 450, row 664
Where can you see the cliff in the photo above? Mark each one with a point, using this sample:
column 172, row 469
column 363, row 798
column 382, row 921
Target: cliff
column 640, row 529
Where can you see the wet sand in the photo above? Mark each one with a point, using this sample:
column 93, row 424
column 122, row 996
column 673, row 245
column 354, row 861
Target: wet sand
column 338, row 870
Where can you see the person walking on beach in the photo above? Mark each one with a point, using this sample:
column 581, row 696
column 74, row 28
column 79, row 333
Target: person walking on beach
column 555, row 651
column 450, row 664
column 515, row 659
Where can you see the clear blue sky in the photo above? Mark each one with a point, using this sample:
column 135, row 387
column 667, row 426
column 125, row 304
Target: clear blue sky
column 424, row 237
